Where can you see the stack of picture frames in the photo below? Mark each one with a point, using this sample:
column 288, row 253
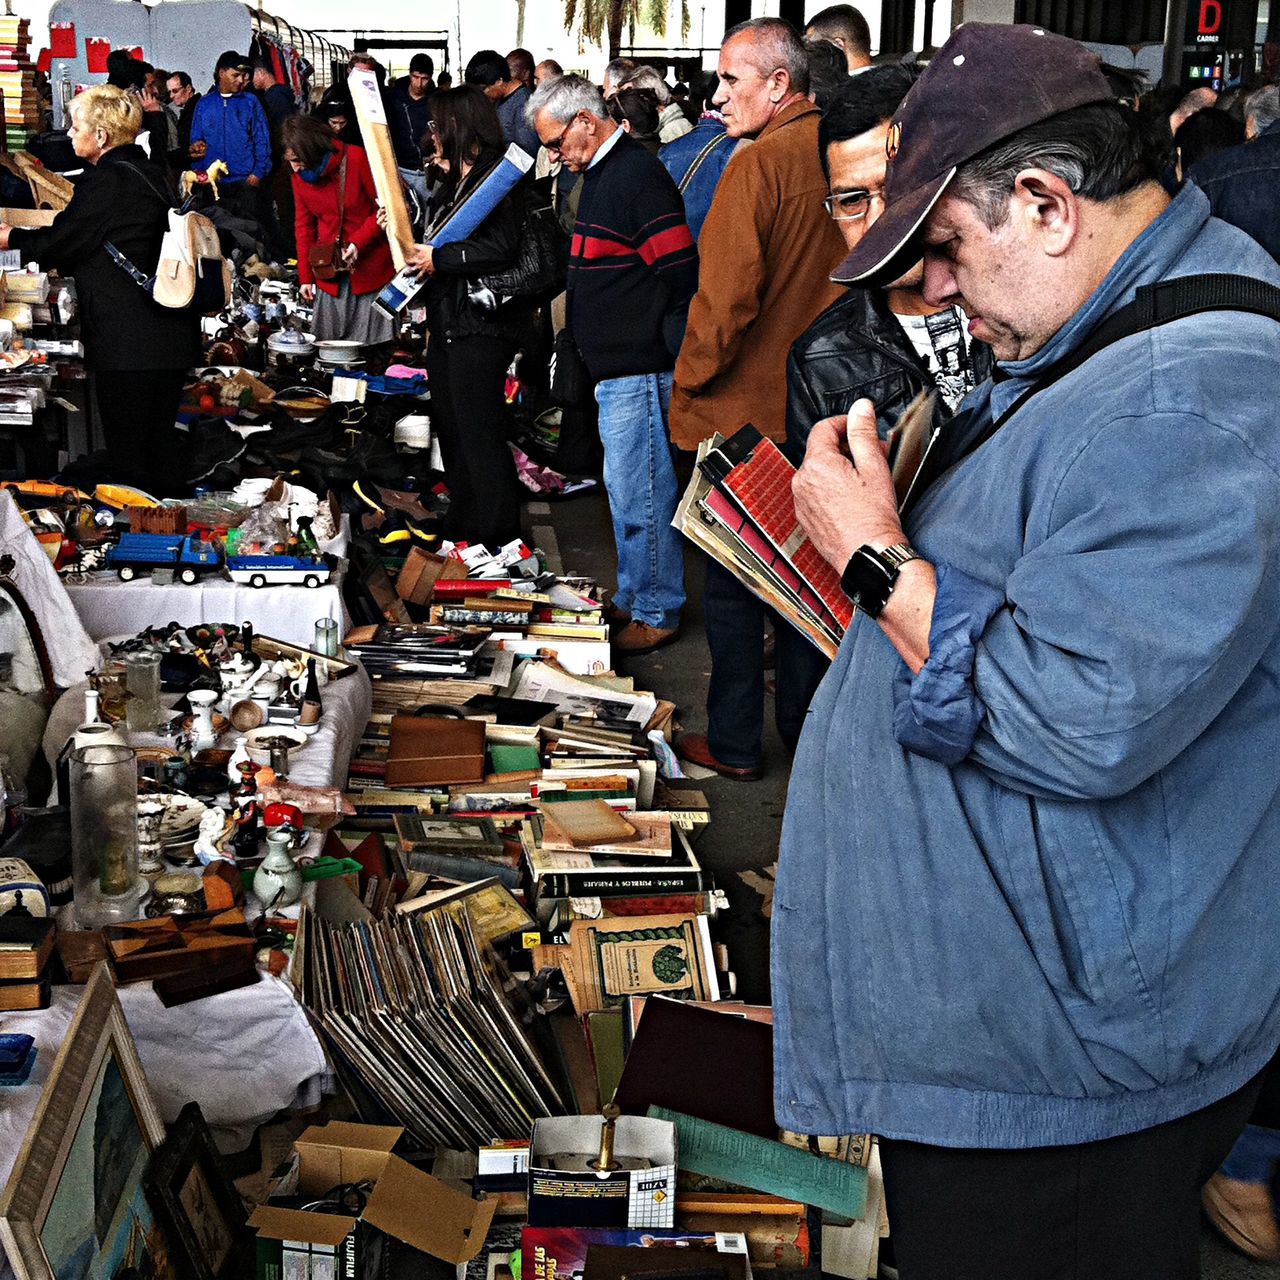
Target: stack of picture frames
column 99, row 1189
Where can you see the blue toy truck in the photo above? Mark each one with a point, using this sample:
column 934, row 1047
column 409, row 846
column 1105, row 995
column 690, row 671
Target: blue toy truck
column 187, row 555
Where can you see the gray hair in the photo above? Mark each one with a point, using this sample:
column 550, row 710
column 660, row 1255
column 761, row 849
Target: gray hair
column 775, row 46
column 564, row 97
column 1100, row 151
column 647, row 78
column 1262, row 106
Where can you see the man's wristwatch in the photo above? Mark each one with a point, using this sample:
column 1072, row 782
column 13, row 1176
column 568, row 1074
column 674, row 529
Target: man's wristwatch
column 870, row 575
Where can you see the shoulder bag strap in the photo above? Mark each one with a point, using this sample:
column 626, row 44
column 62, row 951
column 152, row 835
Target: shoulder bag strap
column 698, row 159
column 342, row 199
column 1154, row 305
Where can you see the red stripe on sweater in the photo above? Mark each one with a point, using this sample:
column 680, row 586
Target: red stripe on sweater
column 664, row 243
column 595, row 247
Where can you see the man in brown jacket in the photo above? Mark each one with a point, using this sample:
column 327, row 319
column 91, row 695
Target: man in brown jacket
column 767, row 250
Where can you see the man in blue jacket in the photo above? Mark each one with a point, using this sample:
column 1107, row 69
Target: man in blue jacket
column 1023, row 920
column 231, row 126
column 1243, row 183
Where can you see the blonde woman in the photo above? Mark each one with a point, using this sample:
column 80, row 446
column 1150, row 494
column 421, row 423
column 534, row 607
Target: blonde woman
column 137, row 351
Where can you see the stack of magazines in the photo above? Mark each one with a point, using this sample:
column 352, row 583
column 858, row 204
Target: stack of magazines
column 405, row 650
column 739, row 510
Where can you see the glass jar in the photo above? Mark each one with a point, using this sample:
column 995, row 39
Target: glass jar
column 104, row 834
column 142, row 710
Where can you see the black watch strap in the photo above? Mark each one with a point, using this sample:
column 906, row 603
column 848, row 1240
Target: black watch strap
column 870, row 576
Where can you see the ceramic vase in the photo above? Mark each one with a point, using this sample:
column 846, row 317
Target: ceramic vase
column 277, row 882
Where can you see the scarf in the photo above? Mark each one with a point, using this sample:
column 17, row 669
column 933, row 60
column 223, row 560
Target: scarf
column 318, row 171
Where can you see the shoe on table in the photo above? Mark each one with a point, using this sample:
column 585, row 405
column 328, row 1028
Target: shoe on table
column 640, row 637
column 1242, row 1214
column 694, row 748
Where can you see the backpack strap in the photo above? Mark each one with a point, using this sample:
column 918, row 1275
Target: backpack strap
column 698, row 159
column 1153, row 305
column 168, row 199
column 142, row 280
column 139, row 278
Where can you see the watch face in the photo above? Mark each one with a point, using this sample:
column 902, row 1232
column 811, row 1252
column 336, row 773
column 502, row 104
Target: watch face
column 867, row 581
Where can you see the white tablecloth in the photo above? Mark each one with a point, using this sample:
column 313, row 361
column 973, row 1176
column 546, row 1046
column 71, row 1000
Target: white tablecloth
column 242, row 1055
column 108, row 607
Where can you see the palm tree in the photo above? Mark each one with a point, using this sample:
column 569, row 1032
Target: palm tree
column 598, row 18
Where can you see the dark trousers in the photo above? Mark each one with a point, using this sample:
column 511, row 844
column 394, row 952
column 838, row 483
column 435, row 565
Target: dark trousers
column 468, row 410
column 735, row 621
column 799, row 666
column 1127, row 1207
column 137, row 408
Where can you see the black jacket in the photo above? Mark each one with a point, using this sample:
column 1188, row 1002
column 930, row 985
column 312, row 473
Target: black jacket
column 1243, row 186
column 856, row 349
column 451, row 313
column 407, row 119
column 119, row 199
column 180, row 156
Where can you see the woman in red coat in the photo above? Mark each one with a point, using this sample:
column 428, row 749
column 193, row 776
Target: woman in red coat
column 344, row 305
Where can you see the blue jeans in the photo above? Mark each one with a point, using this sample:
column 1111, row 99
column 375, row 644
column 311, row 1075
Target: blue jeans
column 1255, row 1156
column 641, row 482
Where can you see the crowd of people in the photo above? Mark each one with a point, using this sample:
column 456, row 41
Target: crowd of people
column 1051, row 721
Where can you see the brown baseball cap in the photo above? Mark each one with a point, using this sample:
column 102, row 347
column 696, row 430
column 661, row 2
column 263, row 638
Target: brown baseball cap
column 985, row 84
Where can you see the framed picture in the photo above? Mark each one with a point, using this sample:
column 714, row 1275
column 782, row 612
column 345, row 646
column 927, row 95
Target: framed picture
column 75, row 1204
column 198, row 1207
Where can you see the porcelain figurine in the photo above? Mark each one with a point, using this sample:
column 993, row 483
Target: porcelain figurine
column 209, row 842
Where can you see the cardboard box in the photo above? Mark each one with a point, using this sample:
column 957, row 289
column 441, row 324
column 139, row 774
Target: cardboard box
column 405, row 1204
column 626, row 1198
column 28, row 217
column 422, row 570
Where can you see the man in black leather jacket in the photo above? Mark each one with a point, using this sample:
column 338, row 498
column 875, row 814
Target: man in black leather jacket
column 882, row 344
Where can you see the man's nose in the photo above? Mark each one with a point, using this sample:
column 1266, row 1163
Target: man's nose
column 939, row 285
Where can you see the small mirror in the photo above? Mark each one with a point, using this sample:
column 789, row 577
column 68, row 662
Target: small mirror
column 27, row 690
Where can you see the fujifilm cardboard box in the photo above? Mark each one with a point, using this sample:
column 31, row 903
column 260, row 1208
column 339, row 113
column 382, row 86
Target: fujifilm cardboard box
column 565, row 1190
column 404, row 1204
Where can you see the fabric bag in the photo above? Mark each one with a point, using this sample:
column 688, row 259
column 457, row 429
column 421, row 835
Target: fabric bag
column 325, row 258
column 191, row 273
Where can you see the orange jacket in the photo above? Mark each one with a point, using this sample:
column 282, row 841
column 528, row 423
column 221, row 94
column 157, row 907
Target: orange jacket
column 767, row 249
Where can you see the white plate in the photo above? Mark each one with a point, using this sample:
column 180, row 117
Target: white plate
column 181, row 818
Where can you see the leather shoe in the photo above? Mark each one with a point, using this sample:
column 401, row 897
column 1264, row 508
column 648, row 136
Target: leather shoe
column 614, row 616
column 693, row 747
column 640, row 637
column 1242, row 1214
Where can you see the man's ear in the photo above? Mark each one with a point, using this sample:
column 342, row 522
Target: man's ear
column 1047, row 206
column 779, row 85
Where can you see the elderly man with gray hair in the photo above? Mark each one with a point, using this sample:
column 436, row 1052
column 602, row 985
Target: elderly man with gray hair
column 632, row 270
column 672, row 122
column 1243, row 183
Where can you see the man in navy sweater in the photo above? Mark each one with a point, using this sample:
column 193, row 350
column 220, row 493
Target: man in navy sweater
column 632, row 271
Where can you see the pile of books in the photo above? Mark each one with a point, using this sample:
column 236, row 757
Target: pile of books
column 18, row 82
column 26, row 943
